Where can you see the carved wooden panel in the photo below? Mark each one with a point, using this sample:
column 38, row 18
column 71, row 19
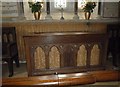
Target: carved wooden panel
column 95, row 55
column 82, row 56
column 39, row 58
column 11, row 38
column 54, row 58
column 8, row 38
column 65, row 53
column 5, row 39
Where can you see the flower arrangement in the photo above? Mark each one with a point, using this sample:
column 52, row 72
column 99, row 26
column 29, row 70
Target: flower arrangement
column 35, row 6
column 89, row 6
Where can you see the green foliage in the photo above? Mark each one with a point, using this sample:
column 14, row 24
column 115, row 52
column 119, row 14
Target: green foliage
column 35, row 7
column 89, row 7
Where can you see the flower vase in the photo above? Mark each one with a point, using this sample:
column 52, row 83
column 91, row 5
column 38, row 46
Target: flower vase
column 87, row 15
column 37, row 15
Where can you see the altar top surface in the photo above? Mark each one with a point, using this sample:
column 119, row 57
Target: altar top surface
column 102, row 20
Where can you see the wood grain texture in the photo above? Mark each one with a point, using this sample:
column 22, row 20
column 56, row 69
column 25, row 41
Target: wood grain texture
column 63, row 79
column 65, row 54
column 75, row 79
column 106, row 75
column 29, row 27
column 27, row 81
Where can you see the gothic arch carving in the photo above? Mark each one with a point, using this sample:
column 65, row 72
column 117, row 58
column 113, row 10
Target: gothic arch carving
column 39, row 58
column 81, row 56
column 54, row 57
column 95, row 55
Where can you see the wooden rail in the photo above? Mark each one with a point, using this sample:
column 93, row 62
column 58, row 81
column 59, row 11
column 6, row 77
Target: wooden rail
column 63, row 79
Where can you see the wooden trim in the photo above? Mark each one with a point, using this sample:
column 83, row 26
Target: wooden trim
column 102, row 76
column 75, row 79
column 38, row 80
column 64, row 79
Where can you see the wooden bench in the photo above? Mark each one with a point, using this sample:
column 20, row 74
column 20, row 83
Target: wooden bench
column 54, row 53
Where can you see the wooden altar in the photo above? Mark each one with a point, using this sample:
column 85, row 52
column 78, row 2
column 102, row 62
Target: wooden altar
column 50, row 53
